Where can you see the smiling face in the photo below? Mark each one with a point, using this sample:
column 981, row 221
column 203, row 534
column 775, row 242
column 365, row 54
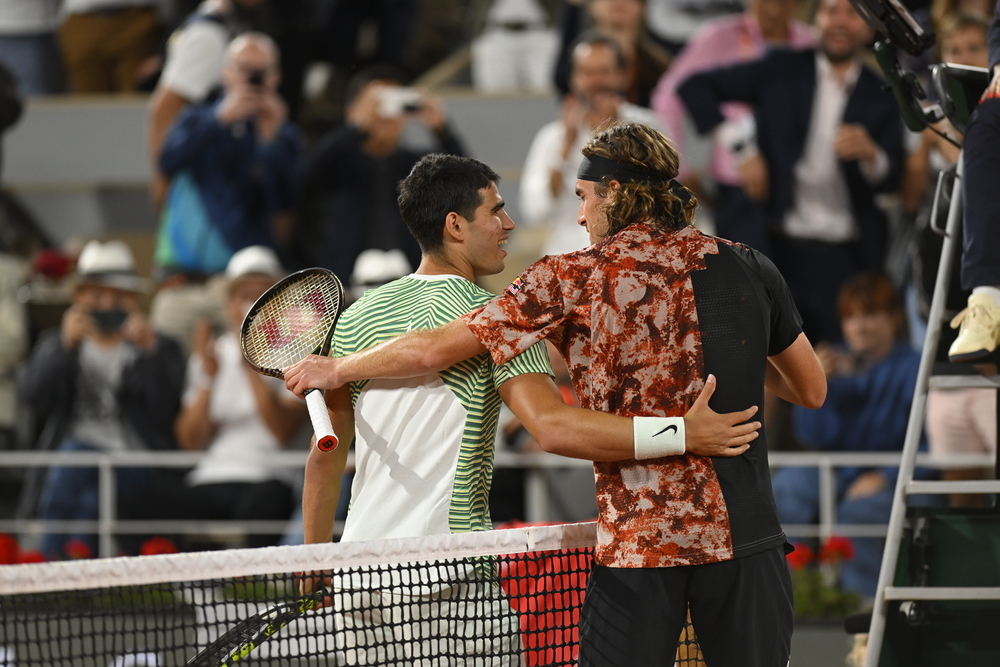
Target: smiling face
column 842, row 30
column 489, row 231
column 596, row 71
column 591, row 214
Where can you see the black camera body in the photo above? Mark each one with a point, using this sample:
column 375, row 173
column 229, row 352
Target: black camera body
column 256, row 78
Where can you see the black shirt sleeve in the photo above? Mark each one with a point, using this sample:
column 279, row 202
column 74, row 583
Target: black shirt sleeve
column 786, row 322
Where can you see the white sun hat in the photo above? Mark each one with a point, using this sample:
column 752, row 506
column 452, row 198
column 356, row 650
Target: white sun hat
column 109, row 264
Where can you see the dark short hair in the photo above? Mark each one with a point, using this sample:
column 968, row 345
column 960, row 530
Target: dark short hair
column 595, row 38
column 440, row 184
column 374, row 72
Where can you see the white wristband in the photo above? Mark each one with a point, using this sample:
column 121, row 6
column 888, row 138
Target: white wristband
column 654, row 437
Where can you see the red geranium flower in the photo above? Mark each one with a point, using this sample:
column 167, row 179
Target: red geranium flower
column 157, row 545
column 8, row 549
column 31, row 557
column 77, row 550
column 837, row 549
column 801, row 556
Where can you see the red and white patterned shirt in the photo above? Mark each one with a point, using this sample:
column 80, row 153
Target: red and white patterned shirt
column 634, row 316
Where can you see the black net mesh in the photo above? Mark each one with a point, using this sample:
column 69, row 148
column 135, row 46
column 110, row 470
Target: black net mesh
column 489, row 610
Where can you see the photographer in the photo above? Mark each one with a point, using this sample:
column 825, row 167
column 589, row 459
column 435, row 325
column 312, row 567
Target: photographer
column 232, row 164
column 104, row 381
column 350, row 180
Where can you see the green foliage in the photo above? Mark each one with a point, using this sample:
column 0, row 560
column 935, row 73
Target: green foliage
column 815, row 598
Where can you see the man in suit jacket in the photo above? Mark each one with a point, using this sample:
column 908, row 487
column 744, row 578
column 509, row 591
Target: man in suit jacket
column 827, row 140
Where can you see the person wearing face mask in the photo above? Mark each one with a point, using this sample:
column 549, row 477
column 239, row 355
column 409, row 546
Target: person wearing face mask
column 103, row 381
column 236, row 416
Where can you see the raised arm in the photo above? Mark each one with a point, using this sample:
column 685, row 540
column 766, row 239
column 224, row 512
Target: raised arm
column 796, row 375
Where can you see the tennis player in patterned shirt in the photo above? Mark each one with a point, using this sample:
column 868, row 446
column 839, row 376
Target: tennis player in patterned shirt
column 643, row 317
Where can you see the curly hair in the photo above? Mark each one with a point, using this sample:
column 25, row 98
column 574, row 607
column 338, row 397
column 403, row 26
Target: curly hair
column 667, row 204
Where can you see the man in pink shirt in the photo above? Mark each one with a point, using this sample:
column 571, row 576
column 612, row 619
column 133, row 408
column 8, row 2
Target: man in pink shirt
column 726, row 41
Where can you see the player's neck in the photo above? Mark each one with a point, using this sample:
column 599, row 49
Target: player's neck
column 437, row 266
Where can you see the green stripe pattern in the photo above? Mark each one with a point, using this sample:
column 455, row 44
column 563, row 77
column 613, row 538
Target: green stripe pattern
column 409, row 304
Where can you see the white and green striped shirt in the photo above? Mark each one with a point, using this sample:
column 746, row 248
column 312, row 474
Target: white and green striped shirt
column 424, row 445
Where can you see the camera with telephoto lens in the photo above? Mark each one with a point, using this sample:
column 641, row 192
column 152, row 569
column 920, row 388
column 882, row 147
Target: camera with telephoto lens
column 396, row 100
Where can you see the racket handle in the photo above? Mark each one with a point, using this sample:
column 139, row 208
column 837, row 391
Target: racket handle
column 326, row 439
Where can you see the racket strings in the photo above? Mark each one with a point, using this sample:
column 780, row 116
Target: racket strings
column 292, row 324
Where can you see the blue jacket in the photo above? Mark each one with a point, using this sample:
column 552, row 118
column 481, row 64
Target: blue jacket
column 867, row 412
column 242, row 182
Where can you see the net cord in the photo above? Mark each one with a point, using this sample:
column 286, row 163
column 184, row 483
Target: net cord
column 135, row 571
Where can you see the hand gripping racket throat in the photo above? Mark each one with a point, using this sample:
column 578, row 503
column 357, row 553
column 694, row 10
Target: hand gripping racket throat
column 293, row 319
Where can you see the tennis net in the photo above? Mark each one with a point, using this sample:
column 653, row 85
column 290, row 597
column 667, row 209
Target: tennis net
column 496, row 598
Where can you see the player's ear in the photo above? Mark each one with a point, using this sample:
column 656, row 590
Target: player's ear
column 455, row 227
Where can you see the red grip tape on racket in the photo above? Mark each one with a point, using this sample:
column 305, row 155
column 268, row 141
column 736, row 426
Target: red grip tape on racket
column 326, row 439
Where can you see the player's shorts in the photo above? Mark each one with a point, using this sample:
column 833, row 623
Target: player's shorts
column 741, row 611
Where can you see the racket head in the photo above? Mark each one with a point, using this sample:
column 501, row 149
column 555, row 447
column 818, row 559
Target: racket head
column 291, row 320
column 249, row 634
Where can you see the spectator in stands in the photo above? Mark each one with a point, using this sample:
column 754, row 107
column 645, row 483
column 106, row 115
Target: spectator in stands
column 979, row 323
column 517, row 48
column 104, row 381
column 549, row 176
column 964, row 420
column 236, row 416
column 961, row 40
column 233, row 166
column 108, row 45
column 623, row 21
column 870, row 381
column 351, row 177
column 828, row 139
column 193, row 70
column 739, row 214
column 28, row 45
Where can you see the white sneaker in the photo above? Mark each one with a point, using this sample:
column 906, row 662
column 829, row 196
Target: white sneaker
column 980, row 329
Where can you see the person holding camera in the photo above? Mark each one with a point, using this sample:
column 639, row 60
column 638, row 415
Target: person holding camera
column 103, row 381
column 350, row 180
column 233, row 166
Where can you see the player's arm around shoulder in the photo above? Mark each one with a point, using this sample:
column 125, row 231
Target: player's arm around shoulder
column 597, row 436
column 409, row 355
column 796, row 374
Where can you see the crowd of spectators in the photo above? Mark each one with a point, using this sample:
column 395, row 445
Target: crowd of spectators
column 807, row 161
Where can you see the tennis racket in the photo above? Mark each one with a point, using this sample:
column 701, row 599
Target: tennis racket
column 240, row 640
column 290, row 321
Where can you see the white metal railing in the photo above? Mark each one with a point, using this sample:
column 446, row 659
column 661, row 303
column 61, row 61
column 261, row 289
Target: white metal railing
column 537, row 505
